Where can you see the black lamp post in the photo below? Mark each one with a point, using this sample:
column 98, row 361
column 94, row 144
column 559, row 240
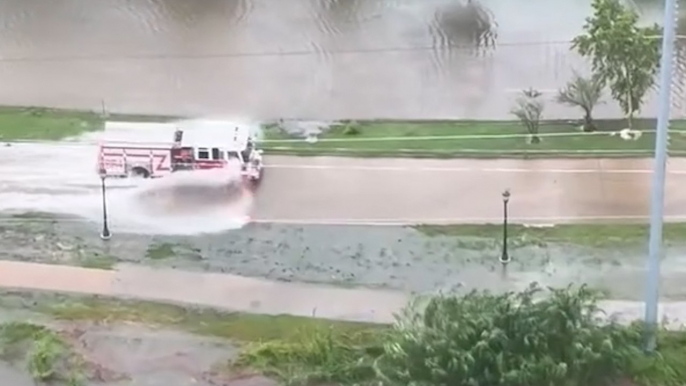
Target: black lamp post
column 505, row 257
column 106, row 234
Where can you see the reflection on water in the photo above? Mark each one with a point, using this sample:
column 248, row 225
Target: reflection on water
column 471, row 22
column 317, row 59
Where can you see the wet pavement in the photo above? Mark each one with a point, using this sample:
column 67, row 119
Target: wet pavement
column 233, row 293
column 410, row 191
column 61, row 178
column 329, row 190
column 307, row 59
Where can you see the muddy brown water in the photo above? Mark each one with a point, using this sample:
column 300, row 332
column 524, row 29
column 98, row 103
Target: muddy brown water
column 268, row 59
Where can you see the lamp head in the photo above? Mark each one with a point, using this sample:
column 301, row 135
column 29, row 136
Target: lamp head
column 506, row 196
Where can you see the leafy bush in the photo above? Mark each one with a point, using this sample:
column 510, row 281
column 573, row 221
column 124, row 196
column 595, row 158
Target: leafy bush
column 483, row 339
column 531, row 338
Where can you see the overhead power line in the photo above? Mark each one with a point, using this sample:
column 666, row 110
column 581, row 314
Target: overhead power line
column 282, row 53
column 273, row 53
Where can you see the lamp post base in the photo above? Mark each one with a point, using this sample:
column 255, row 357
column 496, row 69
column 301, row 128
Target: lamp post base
column 105, row 236
column 505, row 259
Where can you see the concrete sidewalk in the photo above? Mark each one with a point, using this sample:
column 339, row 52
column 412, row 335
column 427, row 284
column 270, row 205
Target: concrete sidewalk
column 235, row 293
column 221, row 291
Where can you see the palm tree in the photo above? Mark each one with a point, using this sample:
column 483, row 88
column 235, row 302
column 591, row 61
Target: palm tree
column 584, row 93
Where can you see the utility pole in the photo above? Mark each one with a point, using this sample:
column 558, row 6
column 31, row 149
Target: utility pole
column 658, row 189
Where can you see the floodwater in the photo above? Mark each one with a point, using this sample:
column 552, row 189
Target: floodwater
column 392, row 257
column 62, row 179
column 307, row 59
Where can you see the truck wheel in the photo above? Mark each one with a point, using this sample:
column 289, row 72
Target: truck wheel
column 139, row 172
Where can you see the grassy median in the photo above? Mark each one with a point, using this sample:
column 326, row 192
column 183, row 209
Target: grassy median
column 39, row 123
column 477, row 139
column 470, row 139
column 614, row 235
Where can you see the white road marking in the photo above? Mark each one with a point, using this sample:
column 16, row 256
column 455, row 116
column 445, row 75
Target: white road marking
column 460, row 169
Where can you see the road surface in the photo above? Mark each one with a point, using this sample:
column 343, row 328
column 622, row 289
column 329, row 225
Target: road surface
column 235, row 293
column 347, row 190
column 61, row 178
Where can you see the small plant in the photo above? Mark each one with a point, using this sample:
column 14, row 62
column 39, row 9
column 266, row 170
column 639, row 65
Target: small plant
column 584, row 93
column 47, row 351
column 98, row 261
column 160, row 251
column 351, row 129
column 529, row 110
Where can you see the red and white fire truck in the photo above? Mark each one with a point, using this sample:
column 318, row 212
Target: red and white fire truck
column 152, row 160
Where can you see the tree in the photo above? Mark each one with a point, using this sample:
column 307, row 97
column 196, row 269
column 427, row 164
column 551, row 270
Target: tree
column 529, row 109
column 512, row 339
column 623, row 55
column 584, row 93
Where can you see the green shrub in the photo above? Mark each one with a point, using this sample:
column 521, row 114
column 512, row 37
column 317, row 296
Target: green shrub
column 47, row 351
column 532, row 338
column 352, row 129
column 509, row 340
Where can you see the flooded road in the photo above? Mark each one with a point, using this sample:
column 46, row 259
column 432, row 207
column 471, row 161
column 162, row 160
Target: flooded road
column 264, row 59
column 61, row 178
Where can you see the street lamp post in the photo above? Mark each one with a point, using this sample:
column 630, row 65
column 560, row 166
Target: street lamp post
column 105, row 234
column 505, row 257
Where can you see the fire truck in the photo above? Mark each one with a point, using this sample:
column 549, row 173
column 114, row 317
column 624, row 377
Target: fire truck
column 153, row 160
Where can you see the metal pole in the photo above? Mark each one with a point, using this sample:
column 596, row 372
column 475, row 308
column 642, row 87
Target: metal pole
column 106, row 234
column 505, row 258
column 658, row 190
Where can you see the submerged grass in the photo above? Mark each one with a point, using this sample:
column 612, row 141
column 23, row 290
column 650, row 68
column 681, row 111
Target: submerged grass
column 160, row 251
column 287, row 347
column 235, row 326
column 98, row 261
column 587, row 235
